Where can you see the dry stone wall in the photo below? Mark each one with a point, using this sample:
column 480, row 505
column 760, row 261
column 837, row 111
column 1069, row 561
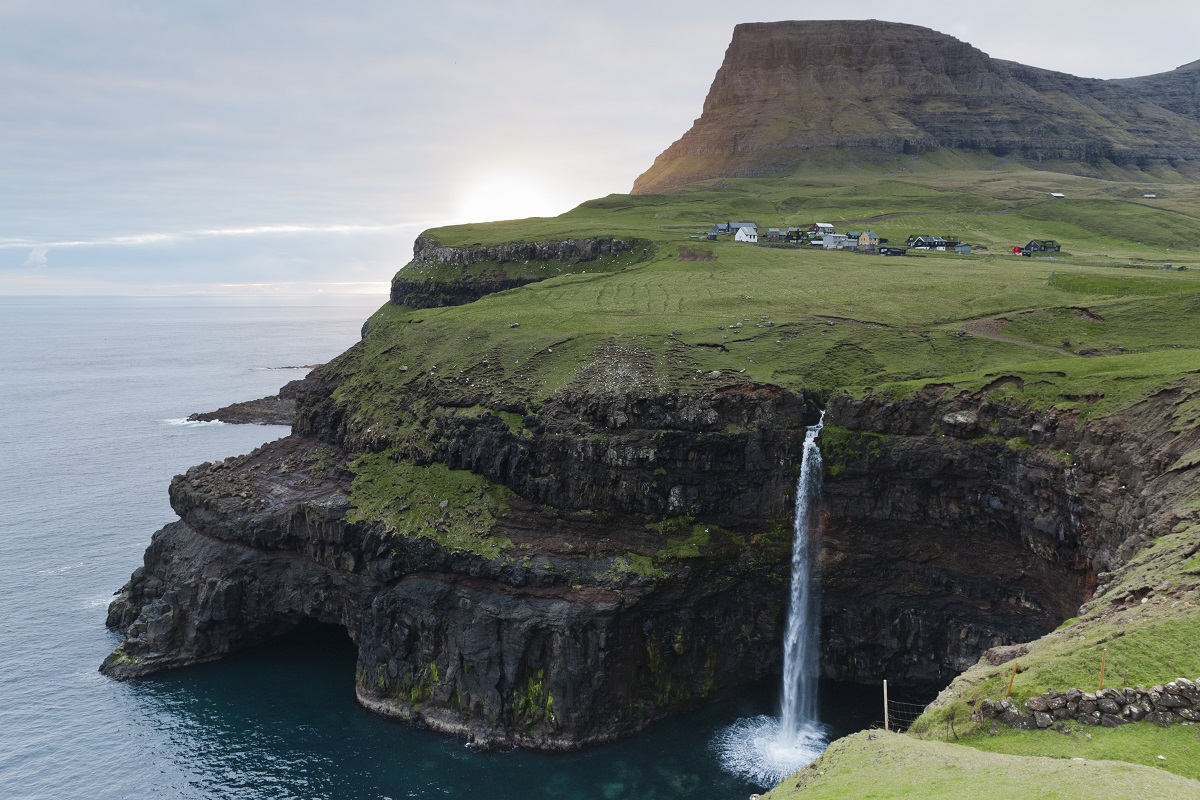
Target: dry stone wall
column 1168, row 704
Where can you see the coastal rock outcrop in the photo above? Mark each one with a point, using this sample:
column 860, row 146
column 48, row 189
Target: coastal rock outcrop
column 791, row 92
column 276, row 409
column 450, row 276
column 548, row 626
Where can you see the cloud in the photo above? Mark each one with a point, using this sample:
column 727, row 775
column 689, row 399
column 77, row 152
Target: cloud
column 37, row 257
column 172, row 137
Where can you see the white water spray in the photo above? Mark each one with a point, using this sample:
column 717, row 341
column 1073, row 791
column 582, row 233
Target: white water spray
column 764, row 750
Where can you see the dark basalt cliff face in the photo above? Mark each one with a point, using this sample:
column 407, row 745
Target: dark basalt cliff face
column 954, row 524
column 786, row 89
column 647, row 550
column 453, row 276
column 1177, row 90
column 589, row 625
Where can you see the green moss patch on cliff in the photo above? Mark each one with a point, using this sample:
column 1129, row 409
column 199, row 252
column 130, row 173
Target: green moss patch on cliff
column 840, row 445
column 454, row 508
column 533, row 704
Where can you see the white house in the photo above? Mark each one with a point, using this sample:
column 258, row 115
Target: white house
column 835, row 241
column 746, row 234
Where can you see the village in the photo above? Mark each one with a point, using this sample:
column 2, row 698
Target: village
column 824, row 235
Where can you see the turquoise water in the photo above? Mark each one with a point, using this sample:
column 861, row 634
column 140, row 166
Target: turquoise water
column 92, row 394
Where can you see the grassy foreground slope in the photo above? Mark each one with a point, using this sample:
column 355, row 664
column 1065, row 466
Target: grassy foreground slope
column 1094, row 329
column 891, row 765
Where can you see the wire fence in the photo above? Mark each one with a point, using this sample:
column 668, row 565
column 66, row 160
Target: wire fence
column 901, row 715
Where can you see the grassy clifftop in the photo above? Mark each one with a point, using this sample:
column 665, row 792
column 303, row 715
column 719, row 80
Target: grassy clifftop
column 827, row 320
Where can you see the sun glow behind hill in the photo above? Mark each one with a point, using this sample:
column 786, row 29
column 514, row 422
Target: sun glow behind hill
column 510, row 195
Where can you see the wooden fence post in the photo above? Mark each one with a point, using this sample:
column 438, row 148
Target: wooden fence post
column 1012, row 678
column 886, row 726
column 1103, row 663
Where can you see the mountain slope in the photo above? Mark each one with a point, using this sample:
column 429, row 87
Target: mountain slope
column 787, row 89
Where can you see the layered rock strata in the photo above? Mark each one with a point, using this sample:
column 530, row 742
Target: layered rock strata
column 451, row 276
column 585, row 625
column 955, row 524
column 643, row 553
column 791, row 91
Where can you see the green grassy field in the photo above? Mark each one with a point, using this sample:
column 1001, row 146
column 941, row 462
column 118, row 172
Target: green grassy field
column 892, row 766
column 835, row 320
column 978, row 199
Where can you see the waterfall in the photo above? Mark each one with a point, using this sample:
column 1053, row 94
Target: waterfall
column 764, row 750
column 802, row 639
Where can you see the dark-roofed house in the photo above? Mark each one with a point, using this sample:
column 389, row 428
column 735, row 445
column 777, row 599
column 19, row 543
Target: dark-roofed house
column 926, row 242
column 1040, row 246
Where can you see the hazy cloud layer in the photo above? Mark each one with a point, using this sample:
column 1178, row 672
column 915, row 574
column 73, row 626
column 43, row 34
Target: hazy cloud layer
column 152, row 145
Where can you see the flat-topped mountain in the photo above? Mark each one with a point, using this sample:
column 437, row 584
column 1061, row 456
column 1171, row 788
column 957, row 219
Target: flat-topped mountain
column 787, row 89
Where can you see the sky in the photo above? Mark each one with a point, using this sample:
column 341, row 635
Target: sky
column 276, row 147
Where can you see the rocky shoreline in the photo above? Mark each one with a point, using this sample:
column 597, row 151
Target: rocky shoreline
column 276, row 409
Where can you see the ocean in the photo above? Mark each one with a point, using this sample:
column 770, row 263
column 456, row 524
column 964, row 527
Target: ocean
column 93, row 397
